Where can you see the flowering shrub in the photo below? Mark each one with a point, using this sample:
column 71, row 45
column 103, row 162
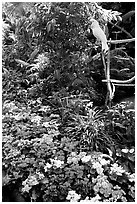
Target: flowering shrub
column 75, row 175
column 51, row 166
column 60, row 173
column 73, row 196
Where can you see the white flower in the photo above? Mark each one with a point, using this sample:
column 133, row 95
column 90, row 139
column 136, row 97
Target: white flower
column 26, row 188
column 117, row 169
column 47, row 166
column 72, row 160
column 73, row 154
column 46, row 124
column 86, row 199
column 41, row 176
column 56, row 162
column 98, row 167
column 104, row 162
column 124, row 150
column 95, row 199
column 82, row 154
column 131, row 151
column 73, row 196
column 36, row 119
column 29, row 182
column 46, row 139
column 24, row 182
column 132, row 177
column 32, row 180
column 86, row 158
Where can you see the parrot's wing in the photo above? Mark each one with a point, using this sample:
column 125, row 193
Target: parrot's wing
column 99, row 34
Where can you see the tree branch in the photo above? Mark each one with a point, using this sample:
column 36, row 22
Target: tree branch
column 120, row 81
column 122, row 29
column 121, row 41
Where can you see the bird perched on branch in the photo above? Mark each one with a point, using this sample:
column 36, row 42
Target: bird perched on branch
column 99, row 34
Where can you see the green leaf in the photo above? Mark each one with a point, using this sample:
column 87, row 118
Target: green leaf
column 23, row 63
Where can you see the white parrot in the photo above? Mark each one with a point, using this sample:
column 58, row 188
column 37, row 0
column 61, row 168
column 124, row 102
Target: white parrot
column 99, row 34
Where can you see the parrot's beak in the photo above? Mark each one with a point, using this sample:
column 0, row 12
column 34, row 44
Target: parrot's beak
column 92, row 20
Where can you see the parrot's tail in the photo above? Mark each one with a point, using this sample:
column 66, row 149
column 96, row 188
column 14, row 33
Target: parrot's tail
column 104, row 47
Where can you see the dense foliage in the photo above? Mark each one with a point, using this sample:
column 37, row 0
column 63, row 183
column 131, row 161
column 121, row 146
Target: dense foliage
column 57, row 144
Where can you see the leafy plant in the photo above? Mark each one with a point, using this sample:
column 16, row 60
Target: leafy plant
column 120, row 123
column 87, row 128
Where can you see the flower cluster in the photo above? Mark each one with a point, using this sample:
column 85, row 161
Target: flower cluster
column 102, row 185
column 97, row 163
column 57, row 163
column 97, row 198
column 73, row 196
column 46, row 139
column 47, row 166
column 131, row 177
column 86, row 159
column 98, row 167
column 132, row 191
column 54, row 163
column 117, row 194
column 74, row 157
column 32, row 180
column 116, row 169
